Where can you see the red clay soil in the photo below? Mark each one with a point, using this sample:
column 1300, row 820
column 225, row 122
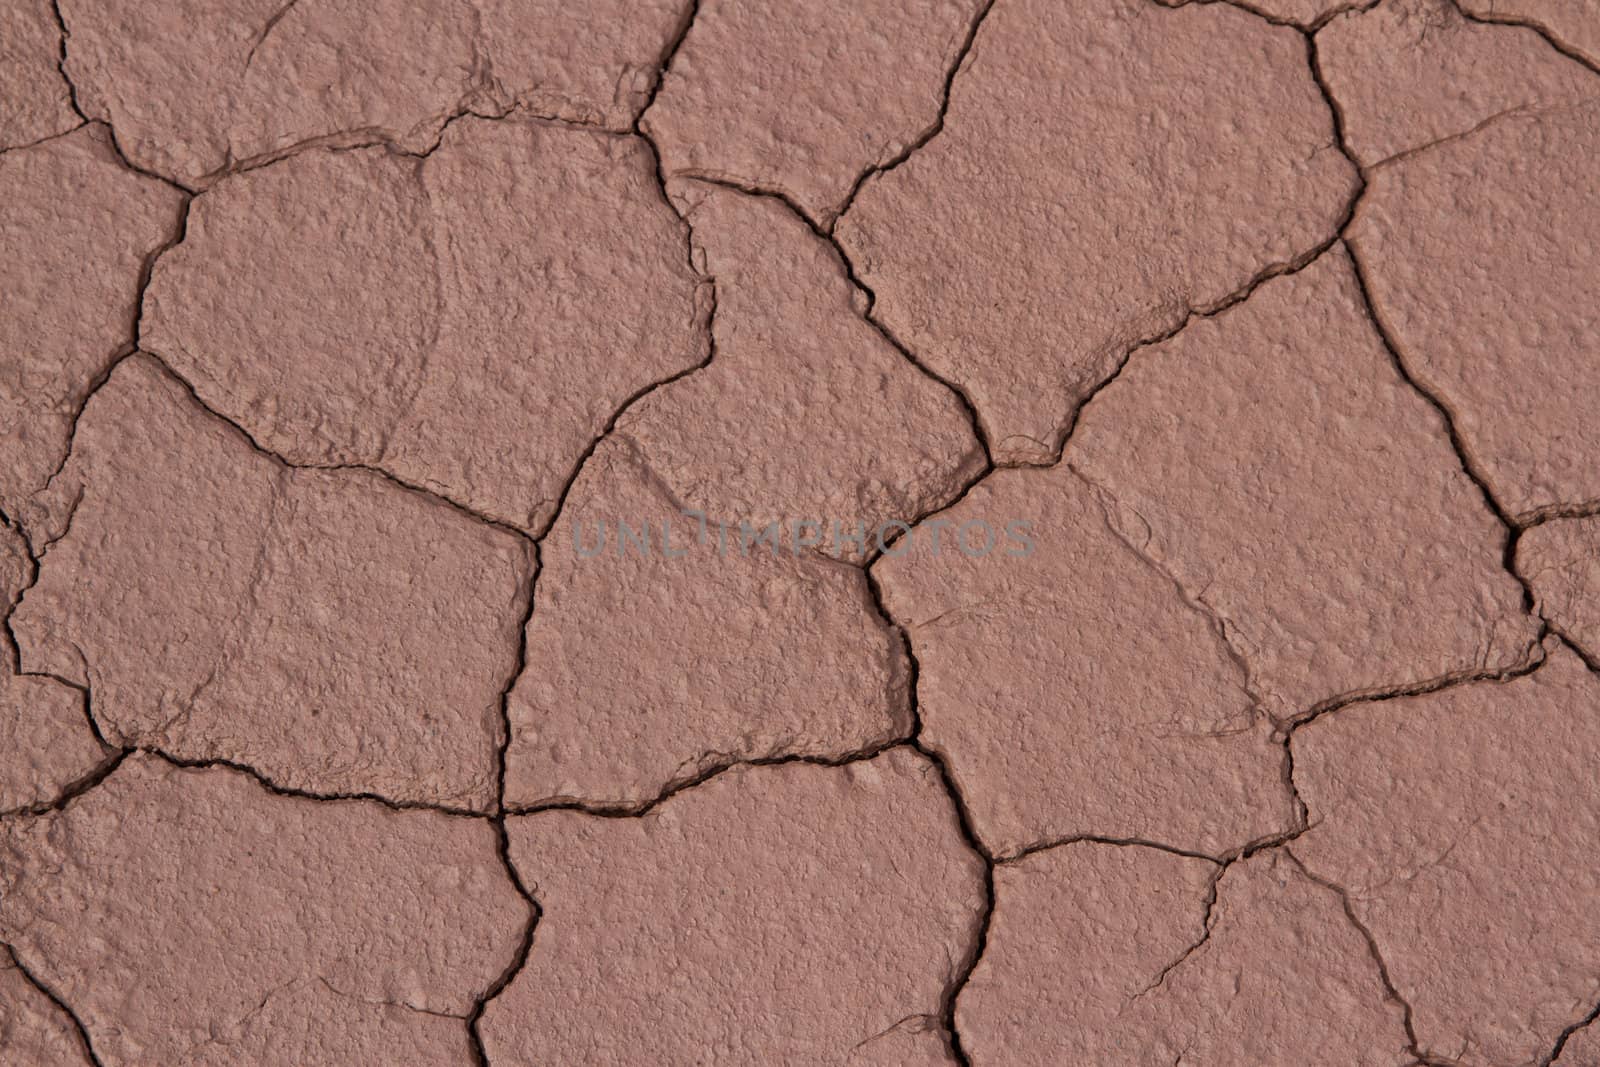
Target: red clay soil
column 901, row 532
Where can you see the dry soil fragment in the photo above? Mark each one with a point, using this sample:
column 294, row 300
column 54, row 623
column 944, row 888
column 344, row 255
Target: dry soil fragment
column 75, row 227
column 1574, row 24
column 1072, row 688
column 469, row 323
column 1582, row 1049
column 1411, row 73
column 800, row 97
column 807, row 414
column 46, row 743
column 193, row 917
column 1305, row 13
column 34, row 102
column 33, row 1031
column 16, row 570
column 194, row 86
column 1099, row 954
column 790, row 914
column 1561, row 560
column 1275, row 463
column 331, row 629
column 649, row 662
column 1483, row 257
column 1103, row 168
column 1462, row 824
column 1077, row 933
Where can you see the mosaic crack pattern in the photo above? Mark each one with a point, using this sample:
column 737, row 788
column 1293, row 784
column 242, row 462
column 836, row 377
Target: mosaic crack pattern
column 981, row 532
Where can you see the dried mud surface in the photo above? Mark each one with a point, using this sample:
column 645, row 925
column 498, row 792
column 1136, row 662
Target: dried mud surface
column 958, row 532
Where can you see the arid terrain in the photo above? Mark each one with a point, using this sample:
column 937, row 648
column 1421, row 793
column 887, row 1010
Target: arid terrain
column 1007, row 533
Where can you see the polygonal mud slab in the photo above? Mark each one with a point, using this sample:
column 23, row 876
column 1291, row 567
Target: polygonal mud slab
column 334, row 631
column 195, row 88
column 1412, row 73
column 34, row 100
column 1581, row 1049
column 75, row 228
column 1462, row 826
column 1111, row 954
column 46, row 742
column 1571, row 24
column 791, row 914
column 34, row 1032
column 793, row 97
column 1501, row 228
column 1307, row 14
column 193, row 917
column 659, row 649
column 1560, row 561
column 469, row 323
column 1104, row 168
column 1073, row 687
column 807, row 413
column 1276, row 465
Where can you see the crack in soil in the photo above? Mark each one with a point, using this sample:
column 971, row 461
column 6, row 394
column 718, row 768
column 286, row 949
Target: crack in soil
column 79, row 1030
column 1549, row 36
column 356, row 139
column 936, row 127
column 1372, row 947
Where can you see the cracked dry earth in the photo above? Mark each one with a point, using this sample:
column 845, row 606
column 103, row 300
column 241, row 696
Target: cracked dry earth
column 334, row 333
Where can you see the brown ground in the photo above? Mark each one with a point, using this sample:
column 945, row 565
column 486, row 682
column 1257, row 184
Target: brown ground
column 905, row 532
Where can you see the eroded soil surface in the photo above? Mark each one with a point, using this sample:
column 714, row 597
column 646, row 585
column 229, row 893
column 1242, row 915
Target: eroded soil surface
column 987, row 532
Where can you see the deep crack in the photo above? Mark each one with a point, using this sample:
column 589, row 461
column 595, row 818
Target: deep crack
column 78, row 1028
